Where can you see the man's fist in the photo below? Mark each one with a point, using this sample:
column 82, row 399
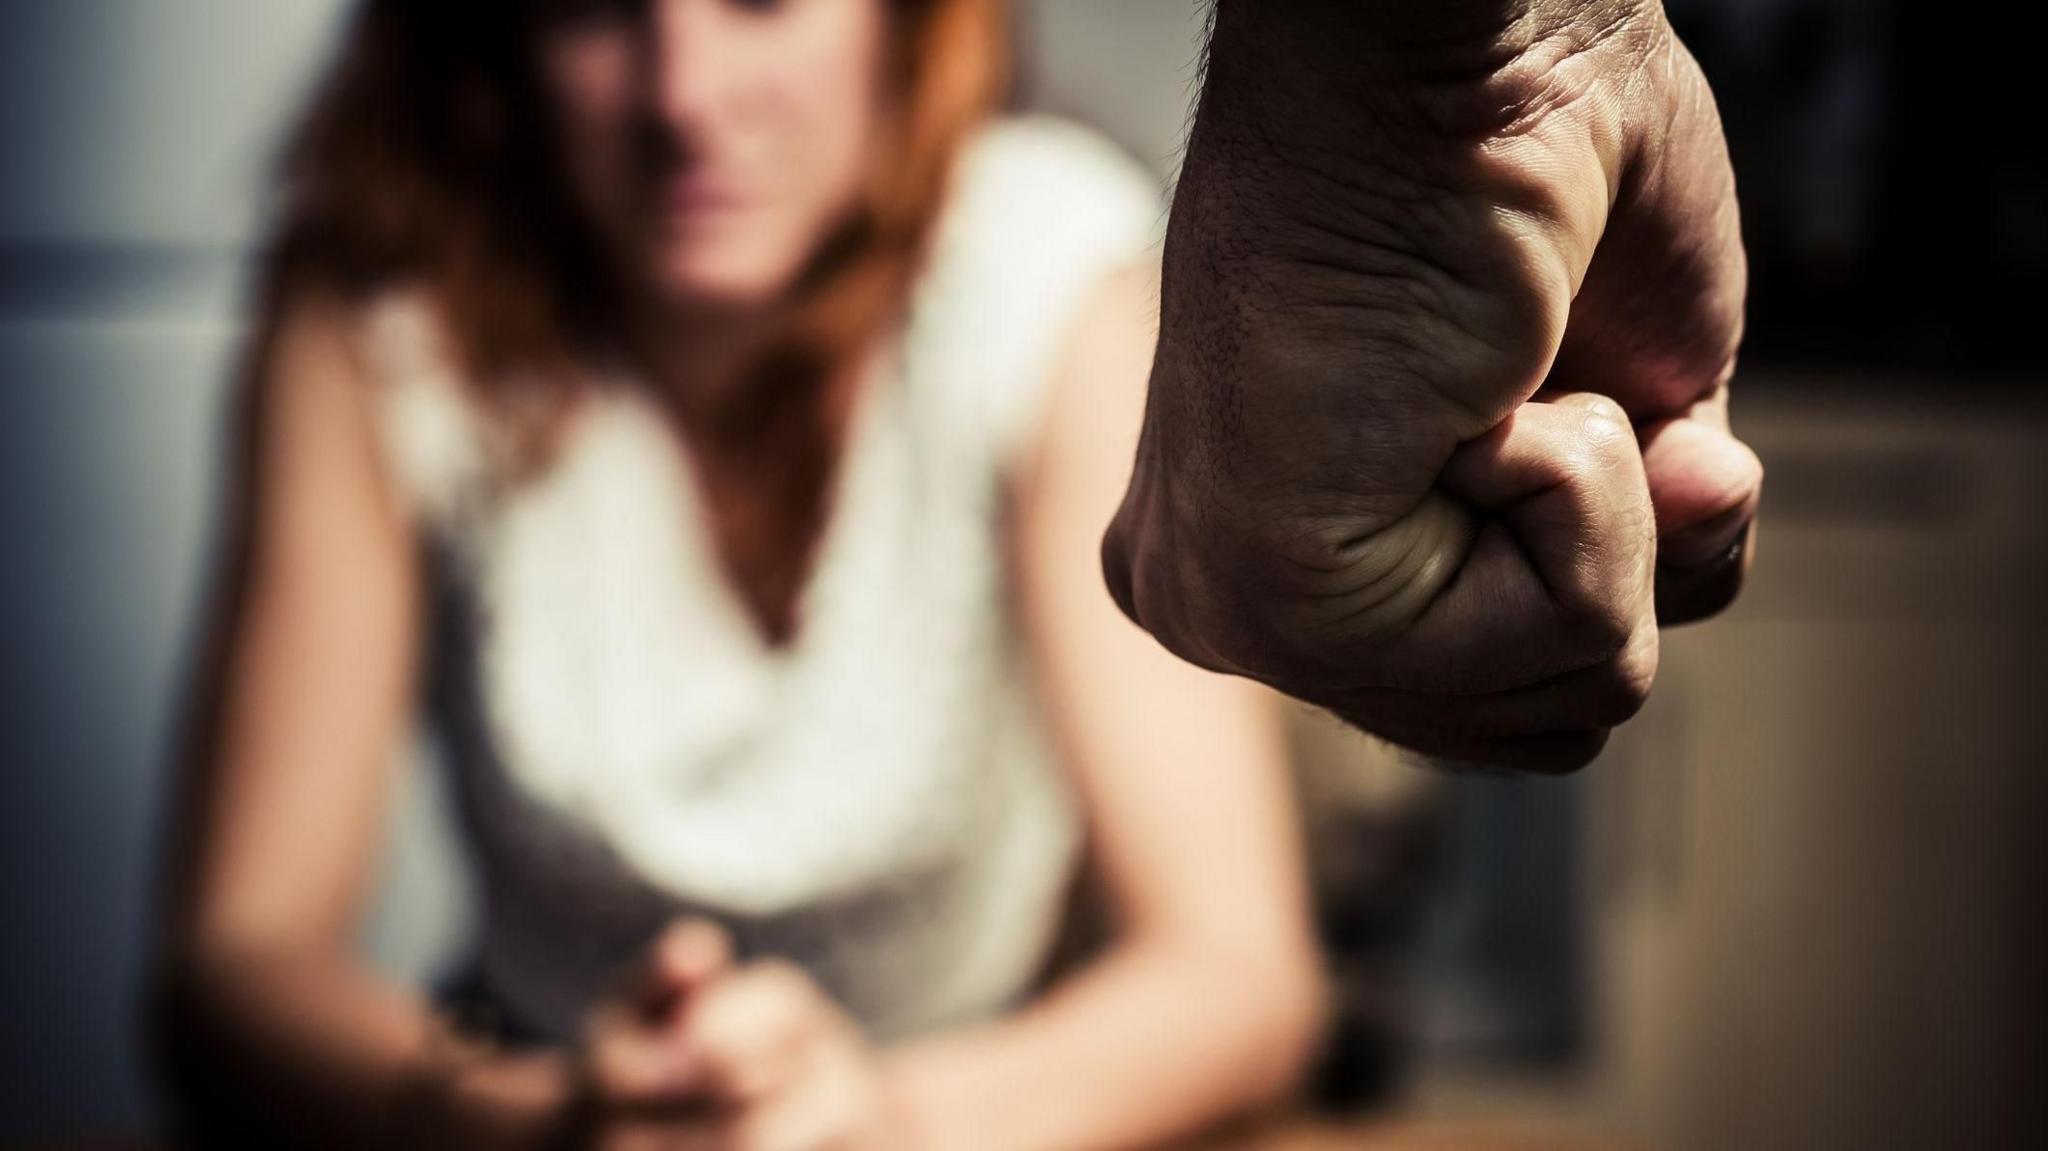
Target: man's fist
column 1437, row 429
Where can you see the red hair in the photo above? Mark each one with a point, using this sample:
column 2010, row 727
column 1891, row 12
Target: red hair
column 422, row 161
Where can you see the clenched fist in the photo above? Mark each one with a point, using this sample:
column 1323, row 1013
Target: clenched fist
column 1437, row 431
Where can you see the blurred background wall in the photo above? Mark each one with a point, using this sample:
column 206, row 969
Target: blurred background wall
column 129, row 133
column 1797, row 905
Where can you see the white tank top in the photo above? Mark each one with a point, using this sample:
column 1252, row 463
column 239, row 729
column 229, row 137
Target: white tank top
column 873, row 801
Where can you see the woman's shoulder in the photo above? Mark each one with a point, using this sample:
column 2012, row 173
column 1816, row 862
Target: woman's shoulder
column 1041, row 213
column 1038, row 145
column 429, row 433
column 1029, row 181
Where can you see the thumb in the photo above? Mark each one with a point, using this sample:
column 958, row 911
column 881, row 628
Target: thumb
column 1706, row 485
column 687, row 956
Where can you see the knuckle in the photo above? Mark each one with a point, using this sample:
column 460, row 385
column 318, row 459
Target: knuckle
column 1604, row 608
column 690, row 945
column 1602, row 631
column 1626, row 685
column 779, row 980
column 1609, row 439
column 1601, row 436
column 1603, row 418
column 700, row 932
column 782, row 1005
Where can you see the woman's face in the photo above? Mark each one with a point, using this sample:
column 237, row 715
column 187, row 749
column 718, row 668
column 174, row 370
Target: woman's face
column 713, row 144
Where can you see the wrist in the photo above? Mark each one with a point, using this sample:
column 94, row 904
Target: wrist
column 1430, row 30
column 1419, row 71
column 936, row 1098
column 913, row 1118
column 465, row 1095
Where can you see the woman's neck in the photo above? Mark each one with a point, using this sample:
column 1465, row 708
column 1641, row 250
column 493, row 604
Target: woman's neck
column 695, row 357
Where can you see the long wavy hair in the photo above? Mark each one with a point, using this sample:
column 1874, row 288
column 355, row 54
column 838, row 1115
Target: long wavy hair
column 424, row 160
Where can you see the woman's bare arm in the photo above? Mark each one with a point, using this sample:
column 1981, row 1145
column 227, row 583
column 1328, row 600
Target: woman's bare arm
column 1209, row 1002
column 266, row 1016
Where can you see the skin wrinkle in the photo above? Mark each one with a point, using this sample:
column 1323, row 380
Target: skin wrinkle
column 1409, row 319
column 1569, row 651
column 1482, row 80
column 1548, row 65
column 1402, row 220
column 1694, row 361
column 1391, row 323
column 1422, row 282
column 1373, row 421
column 1409, row 570
column 1411, row 209
column 1411, row 349
column 1415, row 555
column 1417, row 278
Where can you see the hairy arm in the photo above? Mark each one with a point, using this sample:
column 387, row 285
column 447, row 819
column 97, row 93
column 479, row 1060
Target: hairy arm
column 1209, row 1001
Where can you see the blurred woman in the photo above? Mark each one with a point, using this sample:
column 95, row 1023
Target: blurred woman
column 707, row 413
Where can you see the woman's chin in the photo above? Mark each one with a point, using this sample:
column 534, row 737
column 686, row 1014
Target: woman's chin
column 722, row 285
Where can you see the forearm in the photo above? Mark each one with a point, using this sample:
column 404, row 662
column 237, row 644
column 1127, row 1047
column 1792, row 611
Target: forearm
column 1155, row 1041
column 315, row 1049
column 1419, row 33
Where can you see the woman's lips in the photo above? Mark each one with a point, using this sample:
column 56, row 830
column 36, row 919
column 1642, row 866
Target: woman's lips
column 689, row 200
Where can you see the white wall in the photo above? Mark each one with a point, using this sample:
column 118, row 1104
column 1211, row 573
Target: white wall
column 1127, row 66
column 141, row 121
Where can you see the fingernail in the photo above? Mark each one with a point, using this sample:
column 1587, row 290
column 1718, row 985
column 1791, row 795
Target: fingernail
column 1706, row 543
column 1703, row 589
